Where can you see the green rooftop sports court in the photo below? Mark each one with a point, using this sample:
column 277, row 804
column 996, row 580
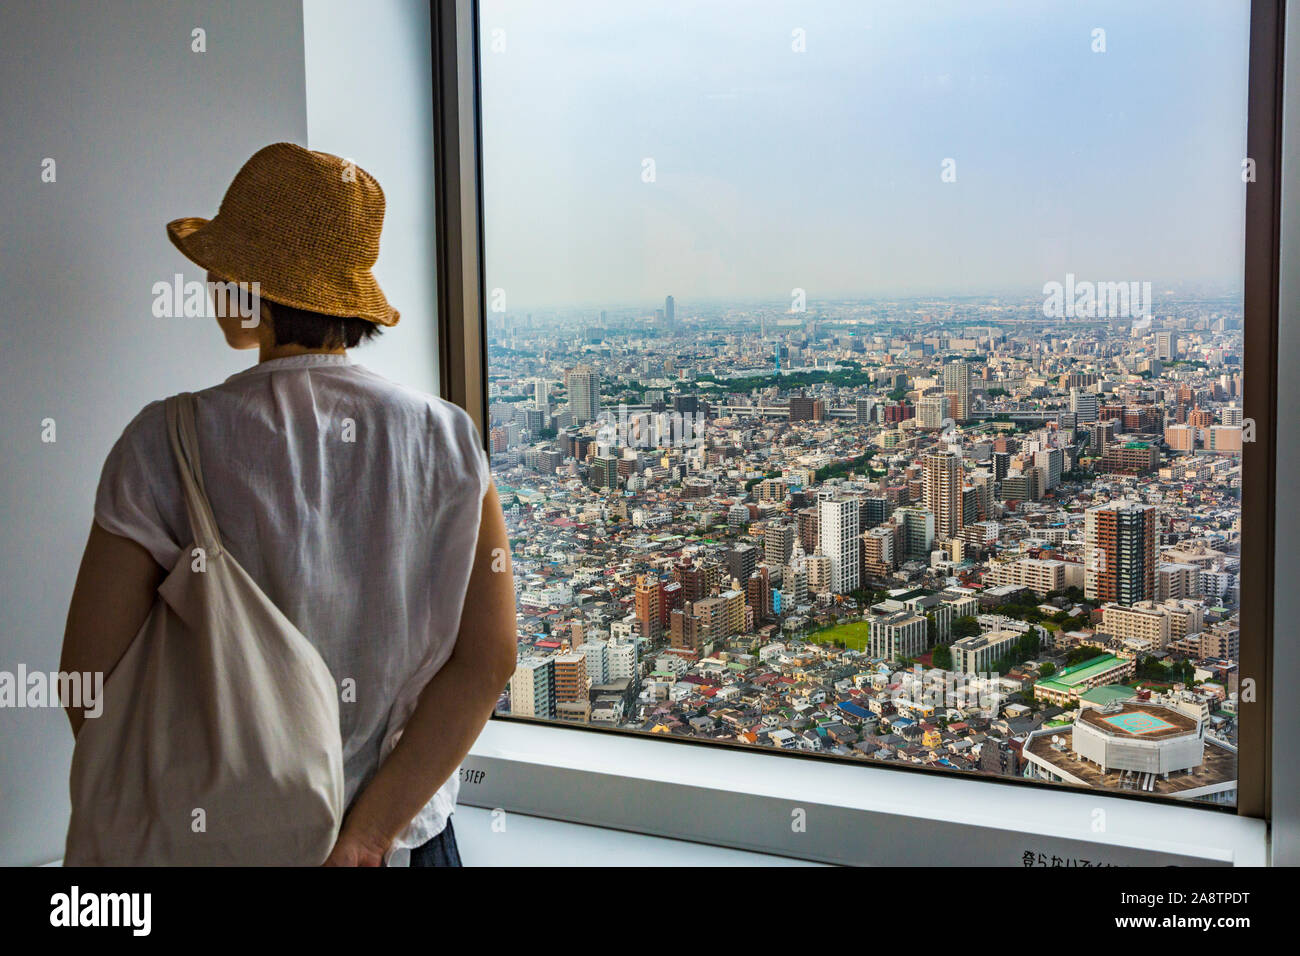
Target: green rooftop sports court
column 1137, row 723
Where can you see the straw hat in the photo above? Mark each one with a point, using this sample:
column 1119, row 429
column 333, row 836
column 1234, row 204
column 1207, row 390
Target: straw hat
column 304, row 225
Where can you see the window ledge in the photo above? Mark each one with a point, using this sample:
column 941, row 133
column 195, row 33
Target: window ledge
column 851, row 814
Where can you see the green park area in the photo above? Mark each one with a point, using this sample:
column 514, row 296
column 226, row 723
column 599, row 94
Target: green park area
column 853, row 635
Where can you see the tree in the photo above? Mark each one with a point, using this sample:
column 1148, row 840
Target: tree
column 965, row 626
column 1047, row 670
column 942, row 657
column 1083, row 653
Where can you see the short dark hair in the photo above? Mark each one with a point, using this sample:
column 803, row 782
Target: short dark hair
column 312, row 330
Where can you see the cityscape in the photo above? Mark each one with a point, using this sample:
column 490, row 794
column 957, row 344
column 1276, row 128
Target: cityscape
column 980, row 534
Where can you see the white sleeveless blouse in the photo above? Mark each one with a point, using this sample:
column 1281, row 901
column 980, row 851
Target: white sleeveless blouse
column 354, row 504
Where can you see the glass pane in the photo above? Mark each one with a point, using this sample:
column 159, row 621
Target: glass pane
column 865, row 377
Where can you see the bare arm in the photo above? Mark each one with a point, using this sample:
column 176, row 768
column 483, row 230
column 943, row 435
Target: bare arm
column 452, row 709
column 113, row 596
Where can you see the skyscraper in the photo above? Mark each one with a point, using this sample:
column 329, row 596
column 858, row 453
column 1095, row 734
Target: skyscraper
column 837, row 520
column 670, row 310
column 1120, row 561
column 943, row 481
column 956, row 385
column 584, row 393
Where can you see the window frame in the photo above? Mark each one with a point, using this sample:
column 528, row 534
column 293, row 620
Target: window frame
column 507, row 751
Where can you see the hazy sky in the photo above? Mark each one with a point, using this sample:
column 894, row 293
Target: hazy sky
column 822, row 169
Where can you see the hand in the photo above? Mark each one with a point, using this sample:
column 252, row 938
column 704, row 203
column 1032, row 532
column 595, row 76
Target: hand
column 354, row 848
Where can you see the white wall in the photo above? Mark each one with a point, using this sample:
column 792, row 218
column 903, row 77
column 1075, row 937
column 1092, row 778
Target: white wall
column 143, row 130
column 369, row 98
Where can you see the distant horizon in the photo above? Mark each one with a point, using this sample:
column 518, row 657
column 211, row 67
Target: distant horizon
column 1207, row 289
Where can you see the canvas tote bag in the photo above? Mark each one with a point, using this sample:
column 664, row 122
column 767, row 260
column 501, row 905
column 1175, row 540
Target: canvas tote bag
column 218, row 743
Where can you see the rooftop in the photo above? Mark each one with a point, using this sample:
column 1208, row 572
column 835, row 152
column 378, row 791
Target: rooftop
column 1218, row 767
column 1136, row 719
column 977, row 641
column 1107, row 693
column 1080, row 673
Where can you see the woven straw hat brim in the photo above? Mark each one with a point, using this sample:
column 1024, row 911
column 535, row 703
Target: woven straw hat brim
column 280, row 276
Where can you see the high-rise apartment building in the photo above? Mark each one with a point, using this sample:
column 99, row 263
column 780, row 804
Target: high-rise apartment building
column 864, row 410
column 1120, row 556
column 943, row 486
column 918, row 532
column 931, row 411
column 878, row 551
column 1052, row 463
column 818, row 569
column 758, row 594
column 649, row 610
column 808, row 532
column 1180, row 437
column 876, row 509
column 596, row 655
column 778, row 544
column 956, row 385
column 570, row 678
column 532, row 687
column 794, row 577
column 583, row 384
column 624, row 659
column 604, row 472
column 837, row 520
column 1084, row 405
column 694, row 580
column 741, row 562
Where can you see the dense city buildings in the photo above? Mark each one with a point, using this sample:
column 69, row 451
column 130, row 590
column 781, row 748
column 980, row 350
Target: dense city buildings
column 941, row 533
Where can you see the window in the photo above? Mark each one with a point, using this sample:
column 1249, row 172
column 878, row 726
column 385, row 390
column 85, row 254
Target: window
column 866, row 380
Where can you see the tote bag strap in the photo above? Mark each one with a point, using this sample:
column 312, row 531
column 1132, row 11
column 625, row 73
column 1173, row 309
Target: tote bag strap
column 185, row 447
